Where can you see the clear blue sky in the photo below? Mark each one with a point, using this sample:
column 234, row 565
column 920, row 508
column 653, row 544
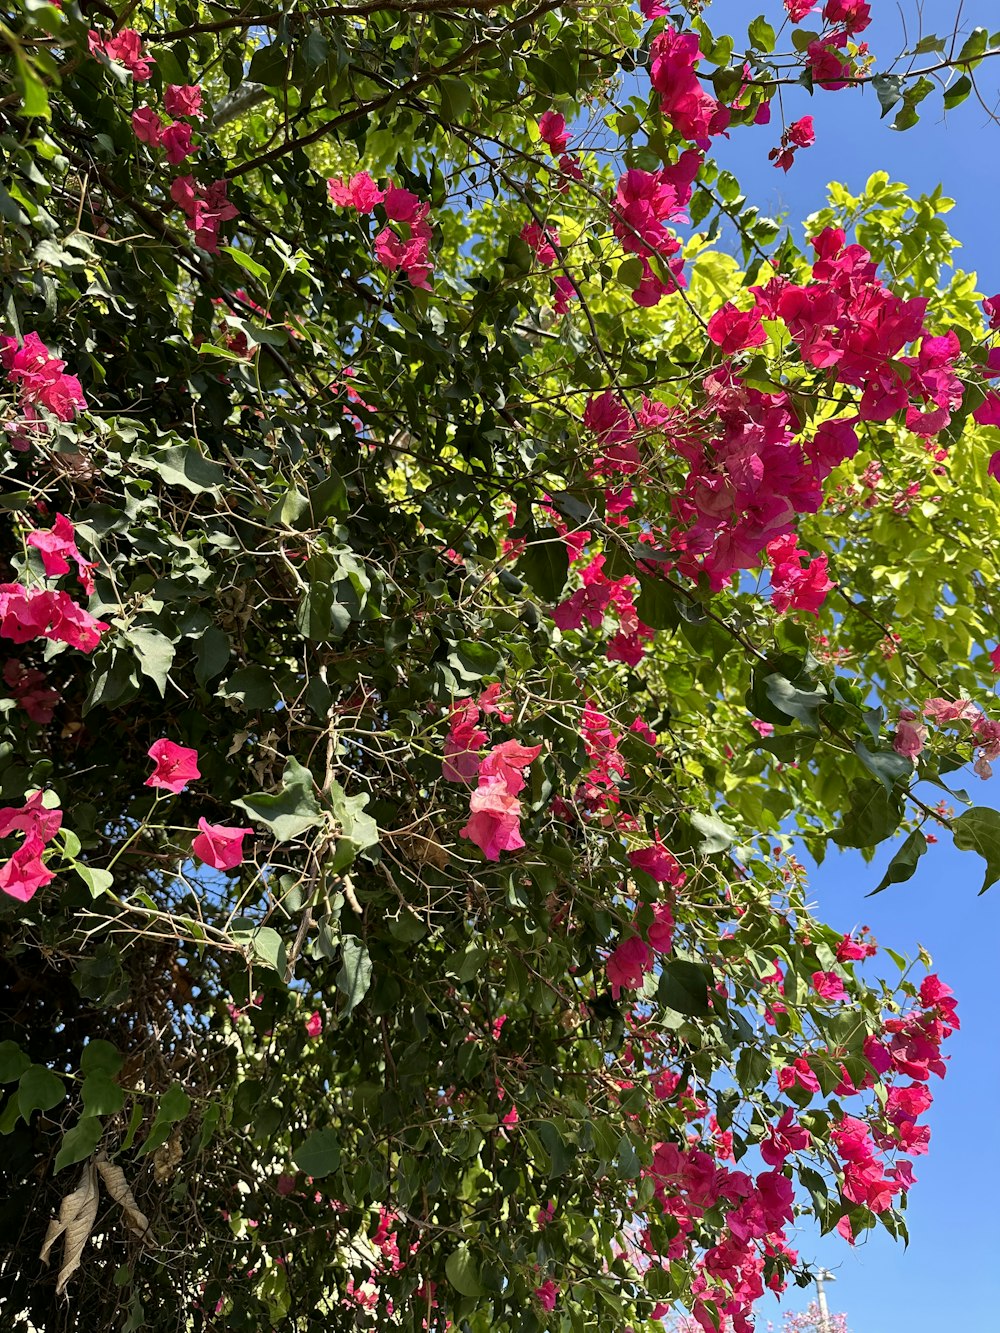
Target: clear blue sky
column 949, row 1278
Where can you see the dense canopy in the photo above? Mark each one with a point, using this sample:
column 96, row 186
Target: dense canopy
column 457, row 551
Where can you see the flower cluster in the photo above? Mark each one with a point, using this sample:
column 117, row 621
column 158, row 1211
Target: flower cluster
column 40, row 380
column 495, row 821
column 25, row 872
column 408, row 251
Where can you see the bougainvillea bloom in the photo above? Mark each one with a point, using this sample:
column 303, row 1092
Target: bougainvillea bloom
column 58, row 547
column 40, row 378
column 360, row 193
column 552, row 132
column 732, row 329
column 217, row 845
column 314, row 1024
column 125, row 48
column 176, row 141
column 628, row 964
column 25, row 873
column 183, row 100
column 828, row 986
column 495, row 823
column 547, row 1295
column 46, row 613
column 205, row 207
column 176, row 766
column 147, row 125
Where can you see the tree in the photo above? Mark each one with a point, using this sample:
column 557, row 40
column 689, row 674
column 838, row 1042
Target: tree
column 442, row 585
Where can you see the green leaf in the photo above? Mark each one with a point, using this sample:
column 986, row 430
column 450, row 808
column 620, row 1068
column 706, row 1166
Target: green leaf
column 13, row 1062
column 99, row 1056
column 246, row 262
column 456, row 98
column 184, row 466
column 213, row 655
column 269, row 66
column 355, row 973
column 79, row 1142
column 101, row 1094
column 463, row 1273
column 545, row 564
column 292, row 811
column 174, row 1105
column 97, row 880
column 39, row 1090
column 319, row 1153
column 904, row 863
column 793, row 701
column 358, row 831
column 978, row 830
column 761, row 35
column 873, row 816
column 889, row 89
column 253, row 687
column 886, row 765
column 267, row 945
column 34, row 97
column 155, row 653
column 957, row 92
column 716, row 834
column 684, row 987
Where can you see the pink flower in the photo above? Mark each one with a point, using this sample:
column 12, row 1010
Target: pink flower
column 176, row 766
column 147, row 126
column 552, row 132
column 205, row 207
column 828, row 986
column 176, row 140
column 801, row 132
column 125, row 48
column 494, row 824
column 40, row 378
column 547, row 1295
column 488, row 702
column 401, row 205
column 855, row 15
column 798, row 9
column 628, row 964
column 783, row 1139
column 909, row 739
column 314, row 1024
column 732, row 329
column 657, row 861
column 216, row 845
column 44, row 613
column 506, row 763
column 25, row 872
column 58, row 547
column 653, row 9
column 183, row 100
column 360, row 193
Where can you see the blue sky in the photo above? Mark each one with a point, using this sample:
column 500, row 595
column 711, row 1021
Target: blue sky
column 949, row 1277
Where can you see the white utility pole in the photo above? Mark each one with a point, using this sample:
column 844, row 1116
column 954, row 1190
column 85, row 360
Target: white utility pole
column 823, row 1276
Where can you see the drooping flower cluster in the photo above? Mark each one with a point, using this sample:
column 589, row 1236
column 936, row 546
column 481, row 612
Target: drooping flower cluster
column 58, row 547
column 29, row 689
column 406, row 251
column 795, row 586
column 40, row 379
column 46, row 613
column 124, row 48
column 634, row 957
column 495, row 821
column 694, row 113
column 205, row 207
column 24, row 873
column 643, row 204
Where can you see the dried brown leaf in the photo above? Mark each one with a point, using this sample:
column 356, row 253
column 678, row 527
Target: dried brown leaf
column 77, row 1214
